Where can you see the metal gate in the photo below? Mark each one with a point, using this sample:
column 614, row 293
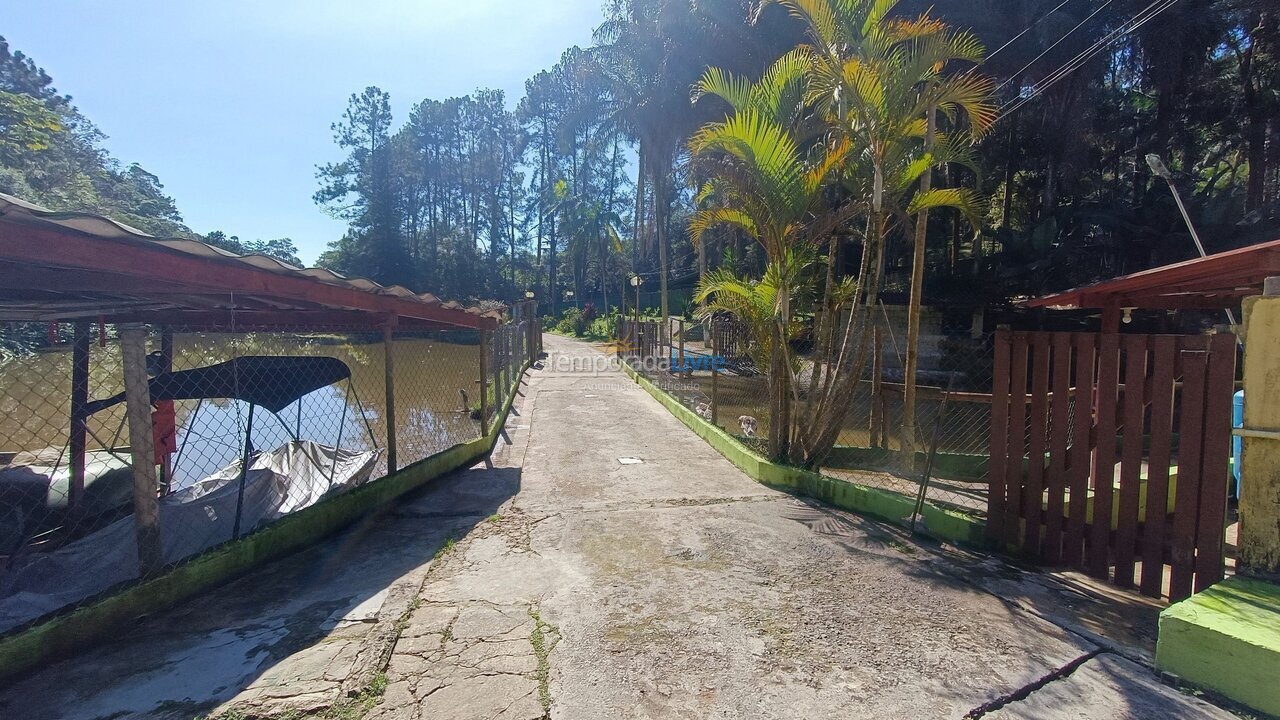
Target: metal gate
column 1132, row 428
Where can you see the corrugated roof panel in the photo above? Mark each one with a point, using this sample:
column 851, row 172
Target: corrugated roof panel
column 19, row 211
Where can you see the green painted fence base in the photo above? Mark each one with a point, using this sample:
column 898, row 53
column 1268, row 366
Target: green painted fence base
column 935, row 521
column 1226, row 639
column 65, row 635
column 953, row 466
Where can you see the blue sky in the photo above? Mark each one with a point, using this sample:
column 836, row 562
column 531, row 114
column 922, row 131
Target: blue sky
column 230, row 102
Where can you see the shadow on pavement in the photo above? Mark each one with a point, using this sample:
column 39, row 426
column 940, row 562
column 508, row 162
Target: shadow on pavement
column 296, row 627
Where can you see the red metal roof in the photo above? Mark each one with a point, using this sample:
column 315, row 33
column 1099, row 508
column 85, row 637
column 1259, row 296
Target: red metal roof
column 1212, row 282
column 65, row 266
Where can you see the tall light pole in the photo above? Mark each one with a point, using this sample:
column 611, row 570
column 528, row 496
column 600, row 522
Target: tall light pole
column 636, row 282
column 1158, row 167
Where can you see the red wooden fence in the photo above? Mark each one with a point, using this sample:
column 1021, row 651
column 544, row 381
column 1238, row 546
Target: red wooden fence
column 1077, row 418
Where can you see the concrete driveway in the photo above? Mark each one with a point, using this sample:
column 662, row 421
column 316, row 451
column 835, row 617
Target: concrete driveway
column 677, row 587
column 609, row 564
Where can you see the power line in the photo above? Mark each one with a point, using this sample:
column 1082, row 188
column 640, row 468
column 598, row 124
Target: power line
column 1054, row 45
column 1026, row 30
column 1137, row 21
column 1143, row 17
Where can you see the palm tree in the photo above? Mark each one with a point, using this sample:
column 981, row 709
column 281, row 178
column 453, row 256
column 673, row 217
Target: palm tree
column 768, row 179
column 753, row 301
column 590, row 229
column 880, row 81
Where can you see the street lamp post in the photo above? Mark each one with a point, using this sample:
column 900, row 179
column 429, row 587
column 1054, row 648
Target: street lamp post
column 1158, row 167
column 636, row 282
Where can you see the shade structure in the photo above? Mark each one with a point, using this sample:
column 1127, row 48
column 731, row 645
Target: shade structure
column 1213, row 282
column 271, row 382
column 63, row 267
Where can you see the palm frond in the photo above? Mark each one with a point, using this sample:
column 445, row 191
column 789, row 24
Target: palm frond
column 704, row 220
column 964, row 200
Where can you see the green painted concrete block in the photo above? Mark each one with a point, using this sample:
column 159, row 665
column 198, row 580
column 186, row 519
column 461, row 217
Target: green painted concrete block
column 1226, row 639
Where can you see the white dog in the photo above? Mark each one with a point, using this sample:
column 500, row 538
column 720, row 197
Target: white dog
column 704, row 410
column 748, row 424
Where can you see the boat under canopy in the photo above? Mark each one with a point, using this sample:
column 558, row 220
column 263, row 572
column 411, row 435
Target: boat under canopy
column 216, row 509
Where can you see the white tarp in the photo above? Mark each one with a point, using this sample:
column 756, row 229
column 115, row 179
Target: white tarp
column 192, row 520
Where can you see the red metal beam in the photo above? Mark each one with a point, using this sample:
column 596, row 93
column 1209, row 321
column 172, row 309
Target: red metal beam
column 148, row 262
column 1214, row 274
column 253, row 320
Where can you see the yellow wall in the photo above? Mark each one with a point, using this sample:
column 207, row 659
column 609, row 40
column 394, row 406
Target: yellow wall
column 1260, row 466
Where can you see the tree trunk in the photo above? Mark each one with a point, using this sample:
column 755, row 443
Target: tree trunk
column 551, row 268
column 914, row 308
column 852, row 354
column 1006, row 205
column 660, row 217
column 780, row 378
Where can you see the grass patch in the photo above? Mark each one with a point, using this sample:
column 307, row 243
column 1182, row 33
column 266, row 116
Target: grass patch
column 542, row 650
column 902, row 547
column 445, row 549
column 494, row 518
column 350, row 708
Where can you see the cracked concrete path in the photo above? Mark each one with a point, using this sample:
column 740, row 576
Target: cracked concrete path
column 301, row 635
column 677, row 587
column 572, row 585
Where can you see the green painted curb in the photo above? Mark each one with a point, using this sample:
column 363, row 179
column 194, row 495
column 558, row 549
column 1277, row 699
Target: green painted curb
column 938, row 522
column 64, row 635
column 1226, row 639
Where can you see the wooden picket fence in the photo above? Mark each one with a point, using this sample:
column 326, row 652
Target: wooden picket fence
column 1076, row 420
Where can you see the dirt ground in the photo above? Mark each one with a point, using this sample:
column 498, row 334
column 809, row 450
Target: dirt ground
column 609, row 564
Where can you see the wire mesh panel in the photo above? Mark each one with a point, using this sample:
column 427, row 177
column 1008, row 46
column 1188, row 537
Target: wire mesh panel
column 239, row 428
column 714, row 367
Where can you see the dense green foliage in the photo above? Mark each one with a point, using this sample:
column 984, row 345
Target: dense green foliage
column 589, row 178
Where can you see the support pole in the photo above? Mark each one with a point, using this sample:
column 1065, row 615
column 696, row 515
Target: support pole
column 137, row 392
column 503, row 373
column 1111, row 318
column 484, row 382
column 166, row 366
column 244, row 465
column 684, row 368
column 715, row 381
column 389, row 371
column 77, row 440
column 534, row 333
column 877, row 387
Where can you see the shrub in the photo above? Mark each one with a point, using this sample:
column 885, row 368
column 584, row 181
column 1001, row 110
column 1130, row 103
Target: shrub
column 571, row 322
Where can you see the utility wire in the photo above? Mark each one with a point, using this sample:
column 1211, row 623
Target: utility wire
column 1137, row 21
column 1055, row 44
column 1026, row 30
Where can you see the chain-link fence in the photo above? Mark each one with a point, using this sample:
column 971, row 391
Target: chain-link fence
column 240, row 429
column 713, row 368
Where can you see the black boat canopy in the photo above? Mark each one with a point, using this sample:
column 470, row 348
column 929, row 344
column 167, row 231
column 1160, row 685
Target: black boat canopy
column 270, row 382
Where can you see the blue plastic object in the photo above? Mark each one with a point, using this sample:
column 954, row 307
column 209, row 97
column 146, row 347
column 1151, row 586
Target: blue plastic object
column 1237, row 444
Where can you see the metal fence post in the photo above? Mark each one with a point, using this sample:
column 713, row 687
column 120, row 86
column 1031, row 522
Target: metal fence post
column 533, row 334
column 683, row 368
column 166, row 365
column 877, row 388
column 146, row 509
column 715, row 381
column 388, row 354
column 484, row 382
column 78, row 441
